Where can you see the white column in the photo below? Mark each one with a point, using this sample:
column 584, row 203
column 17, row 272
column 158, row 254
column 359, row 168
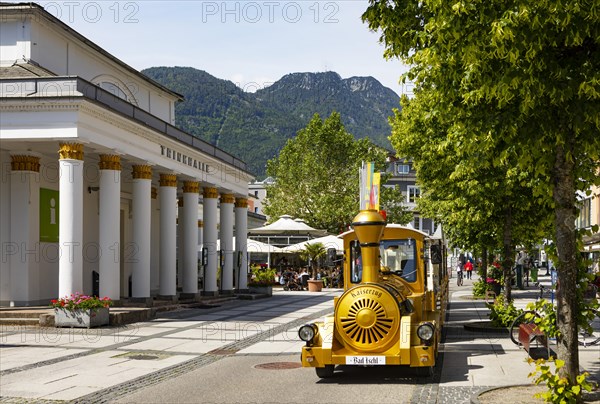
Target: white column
column 70, row 233
column 210, row 196
column 142, row 231
column 191, row 190
column 226, row 238
column 155, row 242
column 24, row 229
column 168, row 205
column 179, row 244
column 110, row 226
column 241, row 246
column 200, row 233
column 199, row 247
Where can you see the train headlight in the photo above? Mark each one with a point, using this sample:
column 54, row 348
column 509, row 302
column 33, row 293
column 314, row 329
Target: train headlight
column 307, row 332
column 426, row 332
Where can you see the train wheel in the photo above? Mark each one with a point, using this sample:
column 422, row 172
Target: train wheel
column 325, row 372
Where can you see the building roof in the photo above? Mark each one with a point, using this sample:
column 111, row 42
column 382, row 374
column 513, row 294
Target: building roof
column 57, row 87
column 24, row 70
column 7, row 9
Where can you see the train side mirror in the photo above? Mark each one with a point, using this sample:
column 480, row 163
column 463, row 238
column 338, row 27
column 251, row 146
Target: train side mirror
column 436, row 254
column 331, row 255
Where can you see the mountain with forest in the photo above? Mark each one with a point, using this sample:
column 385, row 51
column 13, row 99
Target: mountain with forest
column 255, row 126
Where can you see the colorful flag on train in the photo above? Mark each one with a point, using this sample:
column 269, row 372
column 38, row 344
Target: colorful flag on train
column 369, row 187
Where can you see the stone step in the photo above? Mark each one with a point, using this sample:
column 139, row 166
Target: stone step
column 23, row 312
column 26, row 321
column 118, row 315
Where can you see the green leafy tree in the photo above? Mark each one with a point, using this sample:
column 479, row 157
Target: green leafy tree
column 317, row 176
column 521, row 78
column 484, row 204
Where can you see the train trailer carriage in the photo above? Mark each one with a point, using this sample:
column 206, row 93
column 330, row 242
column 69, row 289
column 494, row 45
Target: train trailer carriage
column 393, row 306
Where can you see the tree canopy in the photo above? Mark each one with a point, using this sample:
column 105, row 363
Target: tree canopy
column 316, row 177
column 516, row 86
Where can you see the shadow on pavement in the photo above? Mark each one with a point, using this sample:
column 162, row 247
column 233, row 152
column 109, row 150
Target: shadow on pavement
column 374, row 375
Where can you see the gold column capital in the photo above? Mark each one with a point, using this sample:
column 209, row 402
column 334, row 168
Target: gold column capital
column 143, row 172
column 210, row 192
column 25, row 163
column 200, row 223
column 241, row 202
column 153, row 193
column 227, row 198
column 110, row 162
column 191, row 187
column 180, row 201
column 71, row 151
column 168, row 180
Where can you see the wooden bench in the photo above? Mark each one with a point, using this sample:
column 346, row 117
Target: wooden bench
column 529, row 333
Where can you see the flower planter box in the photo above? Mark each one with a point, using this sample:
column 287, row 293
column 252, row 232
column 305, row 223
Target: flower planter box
column 263, row 290
column 81, row 318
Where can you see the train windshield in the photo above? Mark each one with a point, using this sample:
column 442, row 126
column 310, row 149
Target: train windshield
column 355, row 262
column 399, row 257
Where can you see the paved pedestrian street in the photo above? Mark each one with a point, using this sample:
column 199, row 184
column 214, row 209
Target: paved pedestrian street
column 248, row 351
column 66, row 364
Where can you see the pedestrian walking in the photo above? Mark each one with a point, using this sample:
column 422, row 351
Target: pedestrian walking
column 459, row 274
column 469, row 269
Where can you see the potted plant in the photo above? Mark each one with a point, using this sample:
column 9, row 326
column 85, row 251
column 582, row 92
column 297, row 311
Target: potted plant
column 79, row 310
column 313, row 254
column 494, row 278
column 262, row 280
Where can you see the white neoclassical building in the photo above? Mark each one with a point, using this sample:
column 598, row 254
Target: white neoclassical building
column 99, row 191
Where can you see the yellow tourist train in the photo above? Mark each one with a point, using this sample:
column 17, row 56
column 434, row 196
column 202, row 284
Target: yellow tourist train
column 393, row 306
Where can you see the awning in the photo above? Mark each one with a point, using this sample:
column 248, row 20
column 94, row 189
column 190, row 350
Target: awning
column 327, row 241
column 252, row 246
column 286, row 225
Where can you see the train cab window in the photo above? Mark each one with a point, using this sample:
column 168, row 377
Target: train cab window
column 399, row 257
column 355, row 262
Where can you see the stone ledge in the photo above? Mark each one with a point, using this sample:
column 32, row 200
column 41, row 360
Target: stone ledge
column 508, row 394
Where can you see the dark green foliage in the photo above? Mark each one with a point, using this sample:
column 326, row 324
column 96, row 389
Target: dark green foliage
column 480, row 287
column 255, row 126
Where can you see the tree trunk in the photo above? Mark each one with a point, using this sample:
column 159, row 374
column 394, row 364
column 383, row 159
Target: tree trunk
column 484, row 262
column 313, row 269
column 509, row 253
column 566, row 247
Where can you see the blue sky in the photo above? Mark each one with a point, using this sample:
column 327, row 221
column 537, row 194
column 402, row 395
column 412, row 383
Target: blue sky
column 252, row 43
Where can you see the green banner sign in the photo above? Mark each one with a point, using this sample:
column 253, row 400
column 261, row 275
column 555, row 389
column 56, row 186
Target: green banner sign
column 48, row 215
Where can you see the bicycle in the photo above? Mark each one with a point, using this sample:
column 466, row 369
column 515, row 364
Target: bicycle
column 459, row 278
